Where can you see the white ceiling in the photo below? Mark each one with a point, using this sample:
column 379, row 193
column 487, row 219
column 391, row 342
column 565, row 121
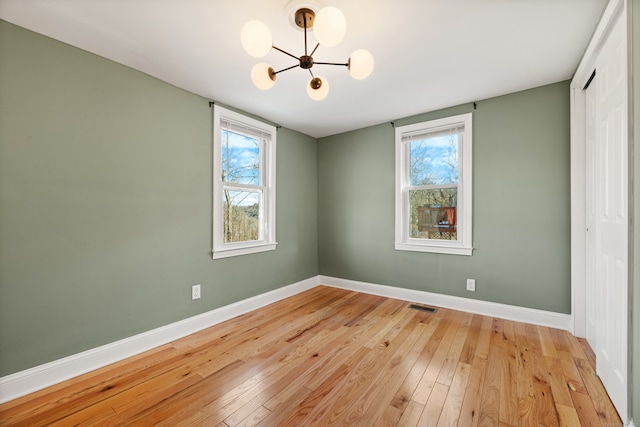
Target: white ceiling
column 429, row 54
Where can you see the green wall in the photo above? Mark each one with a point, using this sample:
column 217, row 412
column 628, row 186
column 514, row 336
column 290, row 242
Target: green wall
column 105, row 204
column 521, row 206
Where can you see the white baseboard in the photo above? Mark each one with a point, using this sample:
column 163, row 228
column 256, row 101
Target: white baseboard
column 503, row 311
column 34, row 379
column 42, row 376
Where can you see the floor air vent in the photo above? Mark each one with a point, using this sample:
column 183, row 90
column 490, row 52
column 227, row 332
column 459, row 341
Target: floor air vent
column 423, row 308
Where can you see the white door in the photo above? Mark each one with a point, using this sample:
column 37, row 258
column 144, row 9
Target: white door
column 611, row 218
column 590, row 217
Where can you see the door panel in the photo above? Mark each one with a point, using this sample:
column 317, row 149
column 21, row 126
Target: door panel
column 611, row 218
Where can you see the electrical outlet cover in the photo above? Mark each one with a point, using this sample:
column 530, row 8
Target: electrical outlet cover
column 471, row 285
column 195, row 292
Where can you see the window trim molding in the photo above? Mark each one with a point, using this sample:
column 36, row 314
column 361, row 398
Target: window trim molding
column 268, row 161
column 403, row 241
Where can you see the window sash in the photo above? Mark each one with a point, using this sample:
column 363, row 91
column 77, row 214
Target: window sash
column 438, row 241
column 420, row 135
column 262, row 153
column 261, row 198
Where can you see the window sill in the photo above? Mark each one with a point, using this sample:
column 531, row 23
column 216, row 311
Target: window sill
column 448, row 250
column 245, row 250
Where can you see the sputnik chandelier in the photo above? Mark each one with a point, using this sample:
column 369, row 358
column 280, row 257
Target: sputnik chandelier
column 329, row 27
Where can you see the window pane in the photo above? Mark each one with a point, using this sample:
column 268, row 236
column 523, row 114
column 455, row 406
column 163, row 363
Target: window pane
column 434, row 161
column 434, row 214
column 241, row 212
column 240, row 158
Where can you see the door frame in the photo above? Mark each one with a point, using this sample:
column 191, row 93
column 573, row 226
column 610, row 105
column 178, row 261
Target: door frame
column 614, row 10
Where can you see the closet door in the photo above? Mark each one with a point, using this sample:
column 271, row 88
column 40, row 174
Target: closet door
column 611, row 275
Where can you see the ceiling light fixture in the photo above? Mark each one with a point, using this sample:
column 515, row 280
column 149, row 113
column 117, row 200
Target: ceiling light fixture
column 329, row 27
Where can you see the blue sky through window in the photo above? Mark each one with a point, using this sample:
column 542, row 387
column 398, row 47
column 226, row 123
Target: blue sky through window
column 240, row 158
column 434, row 160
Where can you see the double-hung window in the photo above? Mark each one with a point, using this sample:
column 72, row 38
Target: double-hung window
column 244, row 184
column 433, row 186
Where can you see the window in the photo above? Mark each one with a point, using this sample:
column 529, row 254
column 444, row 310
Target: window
column 244, row 184
column 433, row 186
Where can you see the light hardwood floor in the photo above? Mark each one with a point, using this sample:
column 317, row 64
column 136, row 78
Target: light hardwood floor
column 334, row 357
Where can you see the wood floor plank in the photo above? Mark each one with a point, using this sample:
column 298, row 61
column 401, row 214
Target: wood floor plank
column 252, row 419
column 369, row 370
column 508, row 376
column 433, row 408
column 311, row 353
column 191, row 399
column 469, row 350
column 315, row 404
column 437, row 328
column 597, row 393
column 364, row 396
column 588, row 353
column 428, row 380
column 222, row 393
column 325, row 362
column 484, row 338
column 470, row 411
column 571, row 373
column 546, row 342
column 525, row 370
column 374, row 397
column 389, row 389
column 348, row 353
column 586, row 411
column 390, row 417
column 67, row 398
column 248, row 391
column 490, row 400
column 580, row 348
column 568, row 416
column 137, row 400
column 99, row 414
column 331, row 356
column 559, row 384
column 411, row 415
column 255, row 318
column 449, row 367
column 560, row 340
column 453, row 404
column 545, row 407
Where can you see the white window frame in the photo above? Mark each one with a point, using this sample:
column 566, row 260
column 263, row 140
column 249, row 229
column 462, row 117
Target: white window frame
column 267, row 187
column 403, row 240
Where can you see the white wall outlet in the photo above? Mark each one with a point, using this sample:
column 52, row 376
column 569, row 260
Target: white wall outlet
column 471, row 285
column 195, row 292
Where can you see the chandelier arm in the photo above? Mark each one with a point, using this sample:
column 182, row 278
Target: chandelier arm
column 305, row 36
column 344, row 64
column 286, row 53
column 314, row 49
column 288, row 68
column 311, row 72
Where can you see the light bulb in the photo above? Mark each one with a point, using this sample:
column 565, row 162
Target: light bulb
column 263, row 76
column 256, row 38
column 318, row 88
column 329, row 26
column 360, row 64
